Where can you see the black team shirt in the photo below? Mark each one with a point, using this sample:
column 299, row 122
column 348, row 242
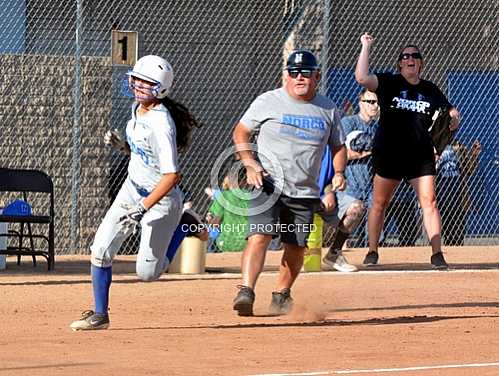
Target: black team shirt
column 406, row 112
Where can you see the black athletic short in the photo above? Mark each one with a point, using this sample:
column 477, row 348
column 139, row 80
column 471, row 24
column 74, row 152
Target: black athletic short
column 400, row 169
column 290, row 217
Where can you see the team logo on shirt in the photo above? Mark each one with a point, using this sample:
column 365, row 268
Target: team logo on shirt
column 139, row 151
column 304, row 122
column 304, row 127
column 421, row 106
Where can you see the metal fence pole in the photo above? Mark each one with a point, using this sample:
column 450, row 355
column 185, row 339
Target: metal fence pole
column 76, row 139
column 326, row 48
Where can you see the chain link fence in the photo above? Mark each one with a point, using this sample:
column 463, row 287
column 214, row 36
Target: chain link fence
column 59, row 92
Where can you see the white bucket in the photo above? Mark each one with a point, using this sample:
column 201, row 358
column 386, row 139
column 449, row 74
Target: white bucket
column 190, row 257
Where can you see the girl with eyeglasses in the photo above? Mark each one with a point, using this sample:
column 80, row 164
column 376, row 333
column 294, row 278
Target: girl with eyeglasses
column 403, row 148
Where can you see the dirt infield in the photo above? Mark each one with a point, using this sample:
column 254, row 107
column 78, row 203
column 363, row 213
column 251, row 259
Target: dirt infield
column 399, row 318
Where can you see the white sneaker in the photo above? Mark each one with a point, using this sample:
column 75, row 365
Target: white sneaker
column 90, row 321
column 338, row 262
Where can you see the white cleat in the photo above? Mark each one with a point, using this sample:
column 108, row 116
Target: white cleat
column 90, row 321
column 338, row 262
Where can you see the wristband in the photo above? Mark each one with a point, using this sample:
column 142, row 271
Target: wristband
column 142, row 208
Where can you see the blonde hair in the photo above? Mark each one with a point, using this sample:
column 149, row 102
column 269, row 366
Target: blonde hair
column 226, row 183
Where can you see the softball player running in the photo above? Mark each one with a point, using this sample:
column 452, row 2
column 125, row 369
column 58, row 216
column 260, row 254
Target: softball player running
column 149, row 196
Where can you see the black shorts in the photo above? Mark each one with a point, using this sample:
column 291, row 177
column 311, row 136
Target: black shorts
column 400, row 169
column 290, row 217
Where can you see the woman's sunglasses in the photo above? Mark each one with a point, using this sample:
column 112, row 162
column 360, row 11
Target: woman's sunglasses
column 406, row 56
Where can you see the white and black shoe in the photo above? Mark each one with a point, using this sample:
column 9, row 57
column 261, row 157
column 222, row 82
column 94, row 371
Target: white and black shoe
column 336, row 261
column 91, row 321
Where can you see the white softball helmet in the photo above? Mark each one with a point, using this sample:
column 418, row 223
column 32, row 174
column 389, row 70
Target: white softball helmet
column 154, row 69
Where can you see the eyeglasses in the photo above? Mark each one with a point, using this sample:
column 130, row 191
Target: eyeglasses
column 370, row 101
column 406, row 56
column 307, row 73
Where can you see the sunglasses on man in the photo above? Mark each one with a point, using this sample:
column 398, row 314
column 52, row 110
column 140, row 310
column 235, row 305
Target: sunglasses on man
column 306, row 73
column 370, row 101
column 406, row 56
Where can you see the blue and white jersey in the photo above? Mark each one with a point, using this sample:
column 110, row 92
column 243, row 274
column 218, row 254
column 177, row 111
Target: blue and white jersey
column 153, row 146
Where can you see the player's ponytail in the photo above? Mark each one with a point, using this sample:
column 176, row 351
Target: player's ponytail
column 183, row 119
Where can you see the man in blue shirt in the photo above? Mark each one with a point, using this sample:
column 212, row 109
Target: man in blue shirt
column 359, row 130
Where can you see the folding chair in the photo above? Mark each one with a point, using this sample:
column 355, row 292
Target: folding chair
column 28, row 183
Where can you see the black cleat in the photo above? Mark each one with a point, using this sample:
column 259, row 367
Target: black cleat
column 438, row 261
column 243, row 302
column 371, row 258
column 281, row 303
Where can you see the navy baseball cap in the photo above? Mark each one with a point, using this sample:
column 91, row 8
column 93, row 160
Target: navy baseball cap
column 302, row 59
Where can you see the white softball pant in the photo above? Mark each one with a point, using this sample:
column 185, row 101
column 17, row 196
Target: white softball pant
column 157, row 228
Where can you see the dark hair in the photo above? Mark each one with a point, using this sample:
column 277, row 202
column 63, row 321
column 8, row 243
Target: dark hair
column 184, row 121
column 399, row 57
column 409, row 46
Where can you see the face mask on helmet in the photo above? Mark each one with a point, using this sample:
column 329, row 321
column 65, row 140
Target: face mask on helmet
column 151, row 77
column 142, row 90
